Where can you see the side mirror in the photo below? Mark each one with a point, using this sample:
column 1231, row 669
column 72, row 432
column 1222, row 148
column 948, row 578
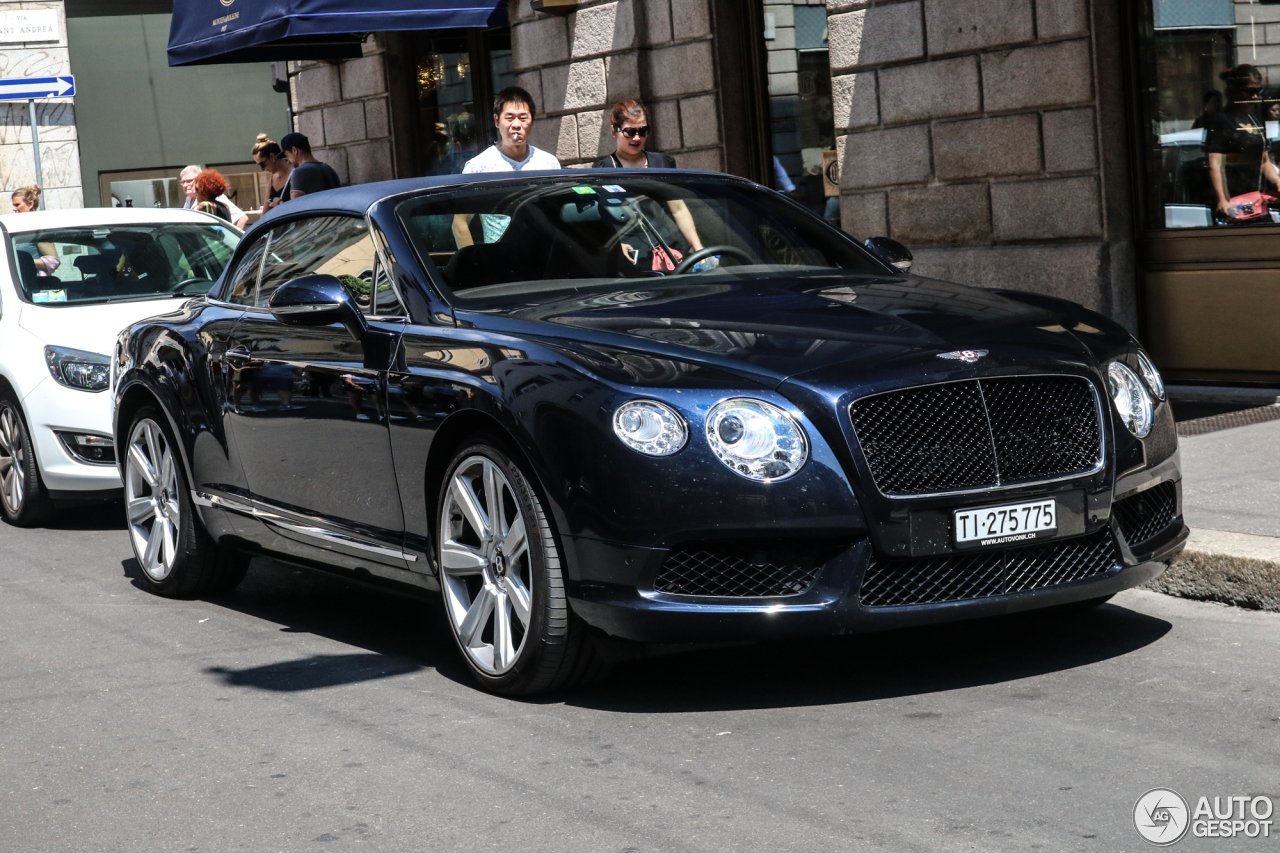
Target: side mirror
column 891, row 252
column 317, row 300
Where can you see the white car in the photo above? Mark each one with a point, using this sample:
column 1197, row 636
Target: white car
column 70, row 281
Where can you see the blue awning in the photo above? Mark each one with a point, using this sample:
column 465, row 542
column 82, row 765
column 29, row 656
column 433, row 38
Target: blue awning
column 219, row 31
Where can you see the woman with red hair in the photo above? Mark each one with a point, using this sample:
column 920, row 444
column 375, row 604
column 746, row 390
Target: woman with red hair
column 210, row 184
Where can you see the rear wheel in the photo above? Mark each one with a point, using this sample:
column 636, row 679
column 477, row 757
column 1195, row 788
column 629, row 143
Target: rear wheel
column 23, row 499
column 502, row 577
column 177, row 556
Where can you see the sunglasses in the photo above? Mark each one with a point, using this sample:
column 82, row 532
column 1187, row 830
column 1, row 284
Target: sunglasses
column 262, row 164
column 1252, row 90
column 632, row 132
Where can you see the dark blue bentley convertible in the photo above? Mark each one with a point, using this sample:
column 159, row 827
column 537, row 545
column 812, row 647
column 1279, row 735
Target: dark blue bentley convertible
column 661, row 407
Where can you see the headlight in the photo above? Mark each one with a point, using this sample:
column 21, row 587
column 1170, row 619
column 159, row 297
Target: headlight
column 650, row 427
column 1132, row 401
column 757, row 439
column 1154, row 381
column 83, row 371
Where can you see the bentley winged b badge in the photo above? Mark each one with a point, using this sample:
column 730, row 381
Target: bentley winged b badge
column 968, row 356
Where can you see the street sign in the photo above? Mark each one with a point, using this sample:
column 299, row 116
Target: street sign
column 25, row 88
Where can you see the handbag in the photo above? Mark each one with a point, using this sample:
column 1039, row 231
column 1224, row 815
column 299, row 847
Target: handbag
column 1253, row 206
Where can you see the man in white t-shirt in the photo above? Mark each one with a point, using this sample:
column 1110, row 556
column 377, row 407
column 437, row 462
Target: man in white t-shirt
column 513, row 114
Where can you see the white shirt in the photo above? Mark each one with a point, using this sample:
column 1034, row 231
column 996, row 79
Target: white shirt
column 493, row 160
column 235, row 212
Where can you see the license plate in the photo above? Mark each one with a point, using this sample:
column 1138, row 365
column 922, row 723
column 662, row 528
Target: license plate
column 1005, row 525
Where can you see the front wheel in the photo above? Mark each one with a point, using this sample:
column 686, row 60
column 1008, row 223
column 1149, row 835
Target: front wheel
column 23, row 498
column 502, row 577
column 177, row 556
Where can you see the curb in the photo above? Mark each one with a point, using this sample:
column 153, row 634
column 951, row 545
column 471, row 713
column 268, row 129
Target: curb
column 1232, row 568
column 1225, row 394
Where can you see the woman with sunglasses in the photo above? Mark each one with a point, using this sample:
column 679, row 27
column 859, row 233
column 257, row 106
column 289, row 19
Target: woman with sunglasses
column 1236, row 143
column 269, row 159
column 629, row 124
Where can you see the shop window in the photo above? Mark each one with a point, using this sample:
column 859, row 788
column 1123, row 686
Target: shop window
column 1211, row 115
column 246, row 186
column 801, row 117
column 457, row 73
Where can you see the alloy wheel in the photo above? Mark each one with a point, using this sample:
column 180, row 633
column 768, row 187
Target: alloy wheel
column 485, row 563
column 13, row 460
column 151, row 499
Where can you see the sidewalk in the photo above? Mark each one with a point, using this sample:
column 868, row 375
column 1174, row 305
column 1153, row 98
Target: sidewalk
column 1231, row 501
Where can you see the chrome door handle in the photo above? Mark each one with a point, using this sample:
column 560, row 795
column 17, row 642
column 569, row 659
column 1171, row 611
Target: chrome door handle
column 238, row 356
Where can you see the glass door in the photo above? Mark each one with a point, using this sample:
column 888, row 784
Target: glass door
column 1209, row 136
column 801, row 119
column 457, row 73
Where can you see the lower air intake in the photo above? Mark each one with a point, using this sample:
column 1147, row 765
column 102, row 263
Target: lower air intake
column 744, row 569
column 966, row 576
column 1146, row 514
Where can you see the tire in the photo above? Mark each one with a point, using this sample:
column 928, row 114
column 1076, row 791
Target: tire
column 177, row 557
column 24, row 501
column 504, row 596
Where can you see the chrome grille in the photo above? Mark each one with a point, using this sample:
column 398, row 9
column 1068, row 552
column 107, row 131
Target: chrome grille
column 1145, row 514
column 978, row 433
column 964, row 576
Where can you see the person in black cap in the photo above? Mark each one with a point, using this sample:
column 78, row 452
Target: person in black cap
column 309, row 174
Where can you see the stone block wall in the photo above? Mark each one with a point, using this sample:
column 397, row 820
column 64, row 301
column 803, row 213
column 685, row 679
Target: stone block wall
column 972, row 131
column 343, row 108
column 577, row 66
column 55, row 118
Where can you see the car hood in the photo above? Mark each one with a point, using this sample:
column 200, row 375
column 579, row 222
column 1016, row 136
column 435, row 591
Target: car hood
column 92, row 328
column 822, row 325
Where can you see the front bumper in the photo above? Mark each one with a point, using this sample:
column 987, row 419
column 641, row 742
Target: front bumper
column 831, row 606
column 51, row 408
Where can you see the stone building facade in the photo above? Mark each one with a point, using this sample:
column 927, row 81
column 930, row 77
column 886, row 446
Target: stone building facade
column 59, row 149
column 980, row 134
column 983, row 134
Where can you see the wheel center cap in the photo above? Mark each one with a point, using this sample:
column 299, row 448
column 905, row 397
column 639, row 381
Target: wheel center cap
column 499, row 563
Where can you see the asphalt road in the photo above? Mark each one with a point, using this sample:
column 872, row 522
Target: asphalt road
column 303, row 713
column 1231, row 479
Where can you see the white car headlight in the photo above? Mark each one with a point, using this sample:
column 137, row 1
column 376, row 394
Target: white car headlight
column 650, row 427
column 1154, row 381
column 757, row 439
column 1131, row 399
column 83, row 371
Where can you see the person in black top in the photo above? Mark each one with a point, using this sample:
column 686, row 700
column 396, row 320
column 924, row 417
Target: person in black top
column 629, row 124
column 270, row 159
column 1236, row 143
column 309, row 174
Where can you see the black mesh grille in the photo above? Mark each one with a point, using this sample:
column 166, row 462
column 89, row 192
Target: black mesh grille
column 978, row 433
column 743, row 570
column 1043, row 426
column 960, row 577
column 1147, row 513
column 930, row 439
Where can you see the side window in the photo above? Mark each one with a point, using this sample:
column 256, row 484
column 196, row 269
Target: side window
column 339, row 246
column 242, row 288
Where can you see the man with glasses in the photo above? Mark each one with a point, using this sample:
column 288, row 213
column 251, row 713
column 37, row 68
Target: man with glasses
column 188, row 179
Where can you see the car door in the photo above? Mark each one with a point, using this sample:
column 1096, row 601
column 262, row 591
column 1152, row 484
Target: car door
column 308, row 408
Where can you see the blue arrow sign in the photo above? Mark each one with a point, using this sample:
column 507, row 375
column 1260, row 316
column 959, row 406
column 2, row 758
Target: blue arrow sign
column 25, row 88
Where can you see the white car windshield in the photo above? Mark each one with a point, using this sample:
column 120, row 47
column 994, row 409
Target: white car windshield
column 118, row 262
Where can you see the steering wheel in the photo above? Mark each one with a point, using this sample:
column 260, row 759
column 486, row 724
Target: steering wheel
column 693, row 257
column 182, row 286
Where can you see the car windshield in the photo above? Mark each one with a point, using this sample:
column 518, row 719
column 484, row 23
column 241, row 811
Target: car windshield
column 117, row 262
column 545, row 239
